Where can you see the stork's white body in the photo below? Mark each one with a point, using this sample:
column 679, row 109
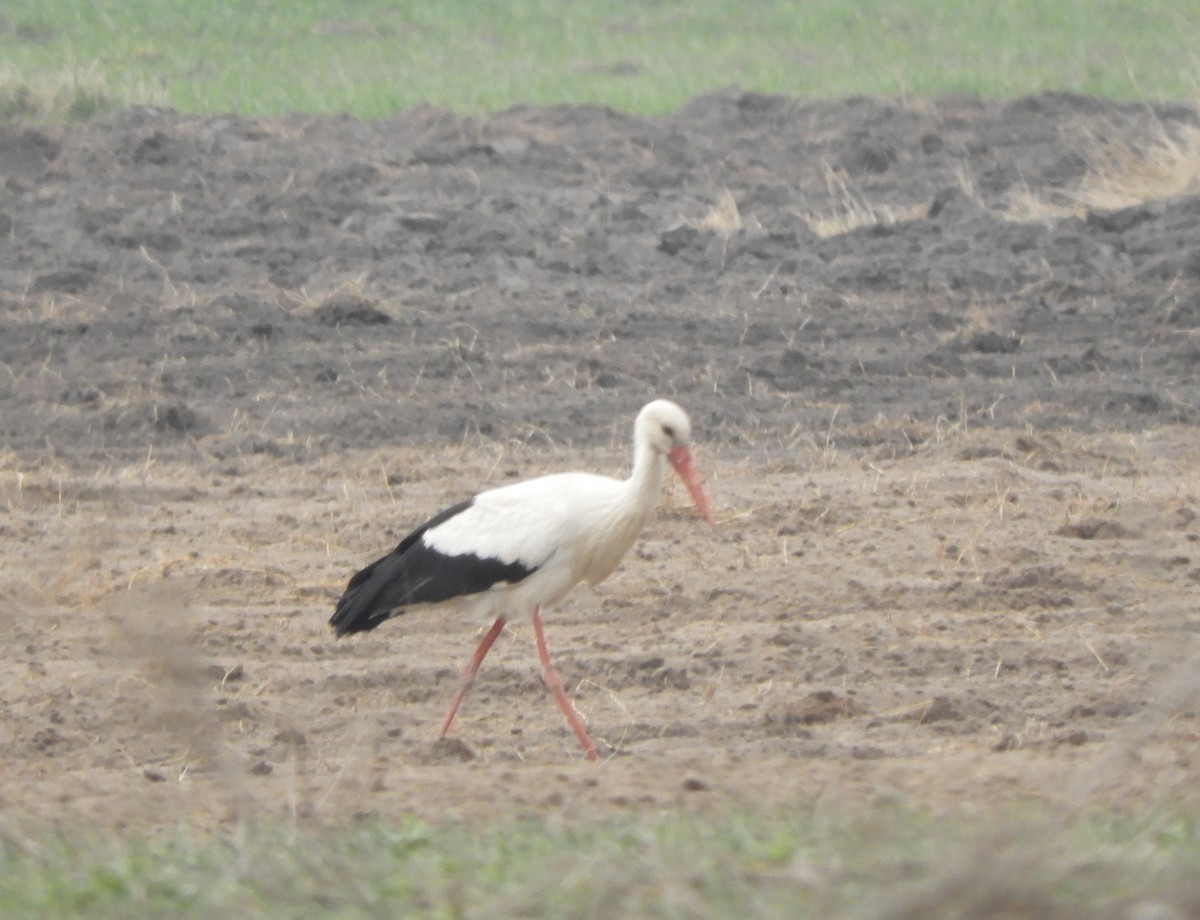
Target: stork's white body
column 567, row 528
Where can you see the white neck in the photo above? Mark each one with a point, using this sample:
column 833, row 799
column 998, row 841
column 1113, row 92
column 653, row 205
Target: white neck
column 645, row 483
column 623, row 520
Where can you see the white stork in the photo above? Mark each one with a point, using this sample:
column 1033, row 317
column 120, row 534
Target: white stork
column 527, row 544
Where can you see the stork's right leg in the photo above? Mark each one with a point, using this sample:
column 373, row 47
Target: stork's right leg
column 468, row 672
column 554, row 682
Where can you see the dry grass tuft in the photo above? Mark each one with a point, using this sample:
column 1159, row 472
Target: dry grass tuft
column 849, row 209
column 724, row 219
column 1122, row 172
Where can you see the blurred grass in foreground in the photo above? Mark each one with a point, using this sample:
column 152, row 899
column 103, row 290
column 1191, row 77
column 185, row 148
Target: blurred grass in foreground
column 888, row 862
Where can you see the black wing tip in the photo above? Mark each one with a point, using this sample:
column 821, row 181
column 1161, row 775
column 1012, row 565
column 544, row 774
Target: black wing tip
column 350, row 617
column 359, row 609
column 341, row 626
column 347, row 627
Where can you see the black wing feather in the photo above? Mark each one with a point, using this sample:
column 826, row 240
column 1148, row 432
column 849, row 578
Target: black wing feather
column 413, row 573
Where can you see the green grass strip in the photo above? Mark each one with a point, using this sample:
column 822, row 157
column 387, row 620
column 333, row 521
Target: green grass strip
column 373, row 57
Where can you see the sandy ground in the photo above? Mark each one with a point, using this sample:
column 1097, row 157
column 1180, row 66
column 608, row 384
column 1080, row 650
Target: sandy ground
column 952, row 452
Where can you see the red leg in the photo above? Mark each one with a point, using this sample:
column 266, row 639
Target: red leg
column 468, row 673
column 554, row 682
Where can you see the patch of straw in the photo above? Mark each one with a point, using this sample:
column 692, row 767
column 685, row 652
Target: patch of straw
column 724, row 219
column 1125, row 172
column 850, row 209
column 1122, row 171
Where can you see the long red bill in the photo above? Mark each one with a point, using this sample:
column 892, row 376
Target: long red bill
column 681, row 460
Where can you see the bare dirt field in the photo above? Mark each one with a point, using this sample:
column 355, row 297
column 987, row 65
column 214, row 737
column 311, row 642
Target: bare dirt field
column 943, row 363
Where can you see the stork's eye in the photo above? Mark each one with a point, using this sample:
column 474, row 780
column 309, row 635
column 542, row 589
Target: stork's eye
column 669, row 432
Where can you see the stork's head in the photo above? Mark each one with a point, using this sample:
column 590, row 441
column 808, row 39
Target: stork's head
column 665, row 428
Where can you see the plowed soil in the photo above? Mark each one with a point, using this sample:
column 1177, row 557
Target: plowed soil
column 946, row 395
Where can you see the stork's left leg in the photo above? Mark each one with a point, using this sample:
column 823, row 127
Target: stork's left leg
column 554, row 682
column 469, row 671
